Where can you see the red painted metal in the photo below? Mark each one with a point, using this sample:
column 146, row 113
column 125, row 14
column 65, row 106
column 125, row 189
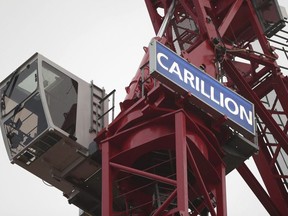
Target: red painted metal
column 164, row 156
column 160, row 143
column 258, row 190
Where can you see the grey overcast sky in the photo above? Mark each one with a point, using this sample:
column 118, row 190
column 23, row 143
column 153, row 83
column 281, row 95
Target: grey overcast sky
column 96, row 40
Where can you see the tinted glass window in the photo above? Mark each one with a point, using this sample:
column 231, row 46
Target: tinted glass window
column 26, row 124
column 19, row 87
column 61, row 95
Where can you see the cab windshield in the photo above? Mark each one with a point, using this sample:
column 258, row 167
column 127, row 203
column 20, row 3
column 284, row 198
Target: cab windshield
column 19, row 88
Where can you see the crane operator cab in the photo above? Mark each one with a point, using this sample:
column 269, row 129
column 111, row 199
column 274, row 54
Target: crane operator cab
column 49, row 120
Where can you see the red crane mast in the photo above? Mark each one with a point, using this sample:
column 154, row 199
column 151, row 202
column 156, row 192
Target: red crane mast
column 160, row 146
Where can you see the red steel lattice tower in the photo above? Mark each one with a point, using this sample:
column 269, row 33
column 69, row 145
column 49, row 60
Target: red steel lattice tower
column 163, row 155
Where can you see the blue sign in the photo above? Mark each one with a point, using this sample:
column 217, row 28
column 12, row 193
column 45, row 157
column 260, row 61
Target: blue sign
column 206, row 92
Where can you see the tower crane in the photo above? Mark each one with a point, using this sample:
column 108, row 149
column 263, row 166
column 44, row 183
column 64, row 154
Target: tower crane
column 208, row 94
